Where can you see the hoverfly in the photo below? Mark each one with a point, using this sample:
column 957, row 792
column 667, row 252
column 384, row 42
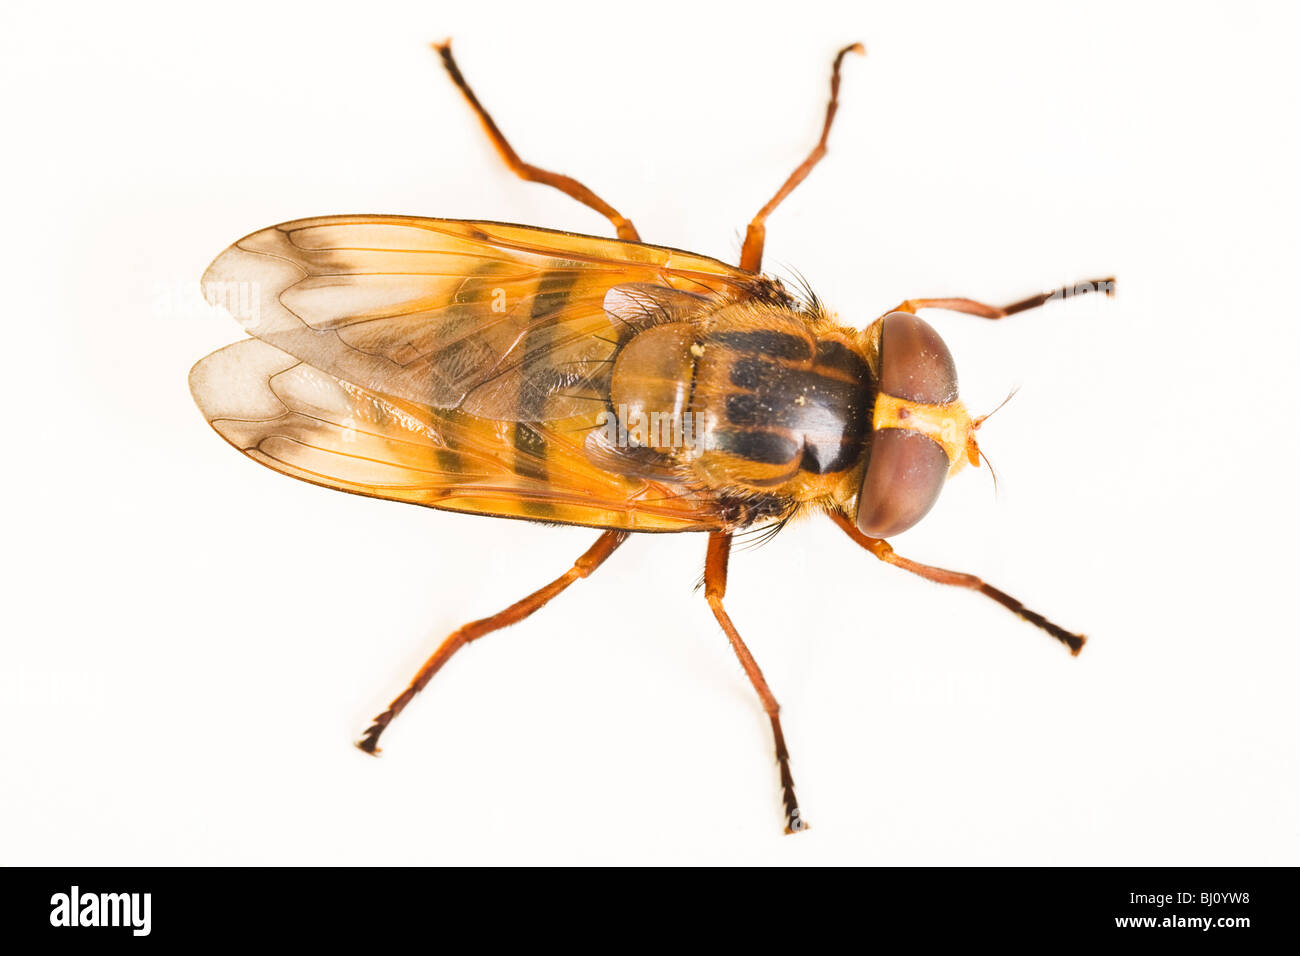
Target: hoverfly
column 521, row 372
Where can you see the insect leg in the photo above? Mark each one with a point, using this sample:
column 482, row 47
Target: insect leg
column 882, row 549
column 565, row 184
column 751, row 254
column 971, row 307
column 715, row 588
column 593, row 558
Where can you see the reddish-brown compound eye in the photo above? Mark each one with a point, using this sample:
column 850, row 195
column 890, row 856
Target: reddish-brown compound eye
column 914, row 362
column 902, row 483
column 906, row 470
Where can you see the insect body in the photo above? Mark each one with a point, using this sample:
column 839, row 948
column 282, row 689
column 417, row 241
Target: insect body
column 520, row 372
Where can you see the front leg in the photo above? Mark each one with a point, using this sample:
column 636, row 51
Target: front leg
column 715, row 588
column 984, row 311
column 885, row 552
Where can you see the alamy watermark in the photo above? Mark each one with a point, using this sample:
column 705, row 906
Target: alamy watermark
column 243, row 300
column 1104, row 286
column 688, row 431
column 76, row 908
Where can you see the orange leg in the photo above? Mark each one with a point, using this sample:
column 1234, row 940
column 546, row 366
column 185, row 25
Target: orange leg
column 971, row 307
column 882, row 549
column 715, row 588
column 751, row 255
column 565, row 184
column 593, row 558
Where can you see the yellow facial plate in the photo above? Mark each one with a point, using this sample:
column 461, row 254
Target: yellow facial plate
column 949, row 425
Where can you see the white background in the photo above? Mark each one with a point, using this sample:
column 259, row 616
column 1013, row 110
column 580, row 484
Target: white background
column 191, row 643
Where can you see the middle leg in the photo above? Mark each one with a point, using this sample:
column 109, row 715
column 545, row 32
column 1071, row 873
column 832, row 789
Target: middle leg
column 751, row 255
column 715, row 588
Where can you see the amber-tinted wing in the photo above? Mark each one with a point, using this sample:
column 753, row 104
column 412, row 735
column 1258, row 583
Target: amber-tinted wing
column 460, row 365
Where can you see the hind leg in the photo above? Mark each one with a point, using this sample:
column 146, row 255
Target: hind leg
column 565, row 184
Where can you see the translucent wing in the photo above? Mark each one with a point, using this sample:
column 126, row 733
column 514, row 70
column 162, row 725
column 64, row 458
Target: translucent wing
column 500, row 321
column 458, row 365
column 305, row 423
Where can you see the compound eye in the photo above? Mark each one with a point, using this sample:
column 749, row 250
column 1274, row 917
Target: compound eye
column 903, row 481
column 906, row 470
column 914, row 362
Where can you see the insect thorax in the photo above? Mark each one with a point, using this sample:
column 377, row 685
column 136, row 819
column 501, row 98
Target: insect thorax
column 757, row 401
